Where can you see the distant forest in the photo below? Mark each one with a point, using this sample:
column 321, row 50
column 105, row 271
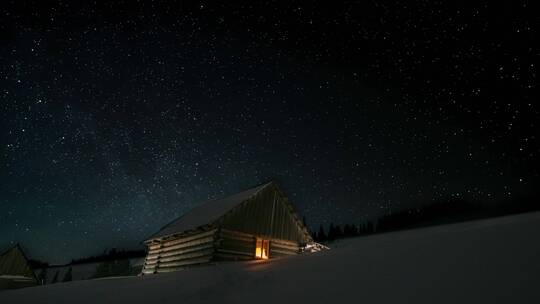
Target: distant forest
column 110, row 263
column 434, row 213
column 111, row 255
column 107, row 256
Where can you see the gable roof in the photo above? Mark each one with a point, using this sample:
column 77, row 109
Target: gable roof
column 14, row 262
column 207, row 212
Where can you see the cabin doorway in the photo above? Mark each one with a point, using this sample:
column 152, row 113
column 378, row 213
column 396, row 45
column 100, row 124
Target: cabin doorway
column 262, row 249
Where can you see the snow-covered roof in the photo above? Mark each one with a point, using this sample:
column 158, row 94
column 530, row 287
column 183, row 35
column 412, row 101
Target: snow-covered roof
column 206, row 213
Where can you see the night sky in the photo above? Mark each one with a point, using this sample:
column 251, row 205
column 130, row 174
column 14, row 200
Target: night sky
column 117, row 118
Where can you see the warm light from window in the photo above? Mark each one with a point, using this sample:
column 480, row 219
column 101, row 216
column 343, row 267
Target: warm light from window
column 262, row 249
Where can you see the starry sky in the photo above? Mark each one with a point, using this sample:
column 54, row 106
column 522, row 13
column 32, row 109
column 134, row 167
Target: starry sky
column 115, row 118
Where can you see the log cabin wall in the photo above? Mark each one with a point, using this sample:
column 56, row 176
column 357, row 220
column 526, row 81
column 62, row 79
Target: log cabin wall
column 280, row 248
column 234, row 245
column 176, row 253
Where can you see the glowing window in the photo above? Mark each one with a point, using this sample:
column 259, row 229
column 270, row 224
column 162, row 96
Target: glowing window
column 262, row 249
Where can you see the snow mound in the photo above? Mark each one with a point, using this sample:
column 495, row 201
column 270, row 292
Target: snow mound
column 487, row 261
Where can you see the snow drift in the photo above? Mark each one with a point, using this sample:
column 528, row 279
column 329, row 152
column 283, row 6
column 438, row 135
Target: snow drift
column 487, row 261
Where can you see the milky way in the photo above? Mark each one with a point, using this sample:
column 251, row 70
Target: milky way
column 116, row 118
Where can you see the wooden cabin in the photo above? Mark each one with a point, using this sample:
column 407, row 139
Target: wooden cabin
column 15, row 270
column 259, row 223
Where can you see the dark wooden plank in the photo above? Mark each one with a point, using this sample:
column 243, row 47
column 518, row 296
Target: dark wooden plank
column 176, row 266
column 187, row 239
column 191, row 243
column 185, row 256
column 235, row 252
column 282, row 252
column 231, row 257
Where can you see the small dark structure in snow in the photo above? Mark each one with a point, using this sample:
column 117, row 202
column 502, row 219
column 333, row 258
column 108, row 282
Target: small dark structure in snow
column 15, row 270
column 258, row 223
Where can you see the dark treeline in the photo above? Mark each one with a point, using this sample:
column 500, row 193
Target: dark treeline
column 110, row 263
column 111, row 255
column 106, row 256
column 38, row 263
column 443, row 212
column 119, row 267
column 453, row 211
column 348, row 230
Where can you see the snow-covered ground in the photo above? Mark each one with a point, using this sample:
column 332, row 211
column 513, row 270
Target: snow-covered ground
column 487, row 261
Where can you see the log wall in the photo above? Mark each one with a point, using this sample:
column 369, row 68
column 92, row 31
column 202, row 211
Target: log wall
column 177, row 253
column 280, row 248
column 234, row 245
column 219, row 244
